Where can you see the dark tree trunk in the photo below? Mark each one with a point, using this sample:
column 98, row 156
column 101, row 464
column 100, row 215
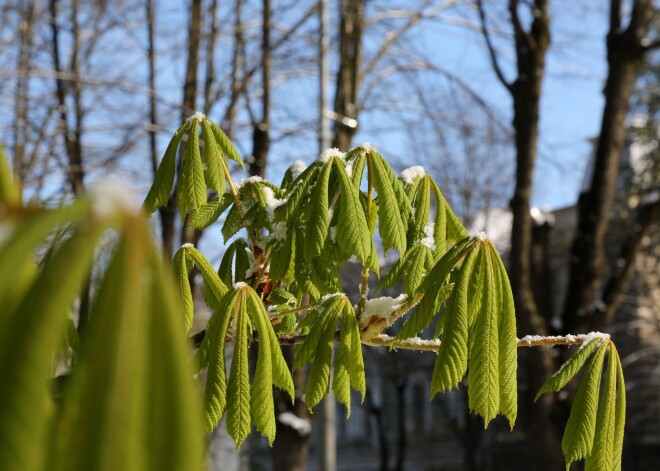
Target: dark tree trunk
column 291, row 446
column 349, row 76
column 625, row 54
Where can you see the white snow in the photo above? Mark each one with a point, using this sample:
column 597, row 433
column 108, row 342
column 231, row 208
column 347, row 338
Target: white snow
column 199, row 116
column 187, row 245
column 367, row 147
column 240, row 285
column 330, row 153
column 271, row 202
column 111, row 197
column 581, row 338
column 413, row 342
column 255, row 179
column 302, row 426
column 349, row 168
column 428, row 240
column 279, row 231
column 496, row 222
column 325, row 297
column 297, row 168
column 482, row 236
column 410, row 174
column 382, row 307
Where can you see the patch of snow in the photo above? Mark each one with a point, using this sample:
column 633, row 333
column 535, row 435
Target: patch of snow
column 326, row 297
column 300, row 425
column 482, row 236
column 496, row 222
column 367, row 147
column 240, row 285
column 279, row 231
column 410, row 174
column 330, row 153
column 428, row 239
column 297, row 168
column 111, row 197
column 188, row 245
column 349, row 168
column 383, row 307
column 199, row 116
column 271, row 202
column 254, row 179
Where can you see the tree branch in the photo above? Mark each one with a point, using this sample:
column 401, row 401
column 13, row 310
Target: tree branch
column 491, row 50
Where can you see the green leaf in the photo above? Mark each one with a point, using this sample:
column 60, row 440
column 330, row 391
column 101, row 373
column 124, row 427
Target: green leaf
column 452, row 360
column 214, row 161
column 233, row 223
column 569, row 369
column 440, row 227
column 283, row 257
column 280, row 375
column 356, row 364
column 391, row 226
column 318, row 382
column 434, row 296
column 224, row 143
column 286, row 211
column 508, row 361
column 238, row 390
column 620, row 411
column 579, row 433
column 215, row 288
column 602, row 453
column 131, row 402
column 317, row 224
column 10, row 192
column 416, row 267
column 262, row 407
column 483, row 354
column 357, row 168
column 208, row 213
column 160, row 191
column 191, row 190
column 353, row 234
column 34, row 329
column 185, row 295
column 455, row 230
column 213, row 346
column 422, row 209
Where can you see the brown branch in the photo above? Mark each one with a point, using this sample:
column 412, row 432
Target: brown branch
column 491, row 50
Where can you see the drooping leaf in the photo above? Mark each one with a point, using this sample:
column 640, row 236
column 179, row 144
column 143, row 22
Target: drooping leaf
column 225, row 144
column 213, row 347
column 131, row 394
column 508, row 361
column 391, row 226
column 191, row 190
column 233, row 223
column 452, row 360
column 10, row 193
column 159, row 193
column 568, row 370
column 317, row 224
column 211, row 279
column 620, row 411
column 34, row 329
column 602, row 452
column 213, row 160
column 318, row 382
column 353, row 234
column 238, row 388
column 579, row 433
column 208, row 213
column 181, row 273
column 483, row 352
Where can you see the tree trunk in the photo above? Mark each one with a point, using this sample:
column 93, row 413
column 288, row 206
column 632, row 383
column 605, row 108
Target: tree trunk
column 625, row 53
column 349, row 76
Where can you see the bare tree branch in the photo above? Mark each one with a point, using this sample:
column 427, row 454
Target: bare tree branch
column 491, row 50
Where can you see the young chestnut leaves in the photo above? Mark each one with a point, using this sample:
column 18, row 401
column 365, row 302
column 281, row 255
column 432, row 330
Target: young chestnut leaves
column 289, row 243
